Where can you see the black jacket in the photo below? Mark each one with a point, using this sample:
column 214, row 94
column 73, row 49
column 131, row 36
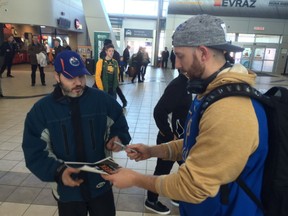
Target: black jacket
column 175, row 101
column 126, row 55
column 8, row 50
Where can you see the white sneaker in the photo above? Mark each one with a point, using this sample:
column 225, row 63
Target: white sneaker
column 175, row 203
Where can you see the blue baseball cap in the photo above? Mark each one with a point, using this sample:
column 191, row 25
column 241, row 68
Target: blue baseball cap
column 70, row 64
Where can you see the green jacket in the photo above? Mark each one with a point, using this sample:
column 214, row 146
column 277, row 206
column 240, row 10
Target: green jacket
column 101, row 75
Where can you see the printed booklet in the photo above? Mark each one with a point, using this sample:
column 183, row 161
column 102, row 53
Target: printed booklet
column 105, row 166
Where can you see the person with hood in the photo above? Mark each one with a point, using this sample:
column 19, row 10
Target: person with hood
column 227, row 141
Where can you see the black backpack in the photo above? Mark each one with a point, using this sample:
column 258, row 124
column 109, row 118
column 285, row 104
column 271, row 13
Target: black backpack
column 274, row 194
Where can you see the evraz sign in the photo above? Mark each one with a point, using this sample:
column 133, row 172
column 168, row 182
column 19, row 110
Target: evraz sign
column 235, row 3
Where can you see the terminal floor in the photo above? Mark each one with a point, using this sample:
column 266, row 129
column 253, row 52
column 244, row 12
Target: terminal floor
column 22, row 194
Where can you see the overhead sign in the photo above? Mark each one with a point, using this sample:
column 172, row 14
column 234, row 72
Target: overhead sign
column 142, row 33
column 63, row 23
column 259, row 28
column 278, row 3
column 235, row 3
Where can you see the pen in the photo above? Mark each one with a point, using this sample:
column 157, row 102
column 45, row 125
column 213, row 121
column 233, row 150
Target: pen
column 124, row 146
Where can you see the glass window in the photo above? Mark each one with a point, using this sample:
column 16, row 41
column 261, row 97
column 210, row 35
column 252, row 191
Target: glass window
column 246, row 38
column 270, row 54
column 114, row 7
column 141, row 7
column 259, row 53
column 165, row 8
column 161, row 43
column 268, row 66
column 267, row 39
column 133, row 7
column 257, row 65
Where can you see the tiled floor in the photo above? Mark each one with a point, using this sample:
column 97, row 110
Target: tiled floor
column 22, row 194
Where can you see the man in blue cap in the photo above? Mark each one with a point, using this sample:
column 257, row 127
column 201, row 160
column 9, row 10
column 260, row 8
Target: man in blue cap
column 74, row 123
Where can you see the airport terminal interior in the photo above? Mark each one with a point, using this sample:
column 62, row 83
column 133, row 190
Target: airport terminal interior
column 23, row 194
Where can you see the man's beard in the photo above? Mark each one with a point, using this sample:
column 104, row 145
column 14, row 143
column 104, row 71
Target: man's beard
column 196, row 70
column 69, row 92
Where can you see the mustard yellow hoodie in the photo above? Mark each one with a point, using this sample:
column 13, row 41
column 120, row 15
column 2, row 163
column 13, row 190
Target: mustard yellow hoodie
column 227, row 126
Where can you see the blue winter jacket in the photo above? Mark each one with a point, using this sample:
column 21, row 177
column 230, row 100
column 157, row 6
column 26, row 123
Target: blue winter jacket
column 49, row 139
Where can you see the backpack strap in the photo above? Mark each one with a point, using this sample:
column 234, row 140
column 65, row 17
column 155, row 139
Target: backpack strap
column 233, row 89
column 248, row 191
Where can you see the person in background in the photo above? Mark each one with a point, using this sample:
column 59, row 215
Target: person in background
column 172, row 58
column 139, row 61
column 165, row 57
column 8, row 50
column 116, row 56
column 107, row 70
column 34, row 49
column 66, row 45
column 146, row 61
column 57, row 47
column 229, row 58
column 78, row 124
column 47, row 47
column 170, row 114
column 228, row 140
column 121, row 69
column 126, row 56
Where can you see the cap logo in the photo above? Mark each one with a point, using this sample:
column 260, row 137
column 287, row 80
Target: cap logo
column 74, row 61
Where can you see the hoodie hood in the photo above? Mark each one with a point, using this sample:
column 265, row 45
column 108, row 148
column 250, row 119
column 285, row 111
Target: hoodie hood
column 235, row 74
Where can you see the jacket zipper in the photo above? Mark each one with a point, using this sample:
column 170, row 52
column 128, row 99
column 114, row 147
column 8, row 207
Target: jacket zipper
column 92, row 134
column 65, row 139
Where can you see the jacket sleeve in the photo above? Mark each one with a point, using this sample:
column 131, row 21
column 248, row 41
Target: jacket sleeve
column 98, row 74
column 166, row 105
column 116, row 121
column 36, row 145
column 225, row 142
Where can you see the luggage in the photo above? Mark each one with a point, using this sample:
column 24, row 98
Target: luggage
column 132, row 71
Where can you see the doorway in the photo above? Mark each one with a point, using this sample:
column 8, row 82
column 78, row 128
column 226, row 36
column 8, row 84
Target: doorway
column 259, row 58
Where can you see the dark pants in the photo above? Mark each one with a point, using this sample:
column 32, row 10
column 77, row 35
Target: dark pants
column 99, row 206
column 112, row 93
column 6, row 64
column 120, row 76
column 138, row 73
column 163, row 167
column 121, row 95
column 164, row 63
column 33, row 74
column 143, row 71
column 173, row 64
